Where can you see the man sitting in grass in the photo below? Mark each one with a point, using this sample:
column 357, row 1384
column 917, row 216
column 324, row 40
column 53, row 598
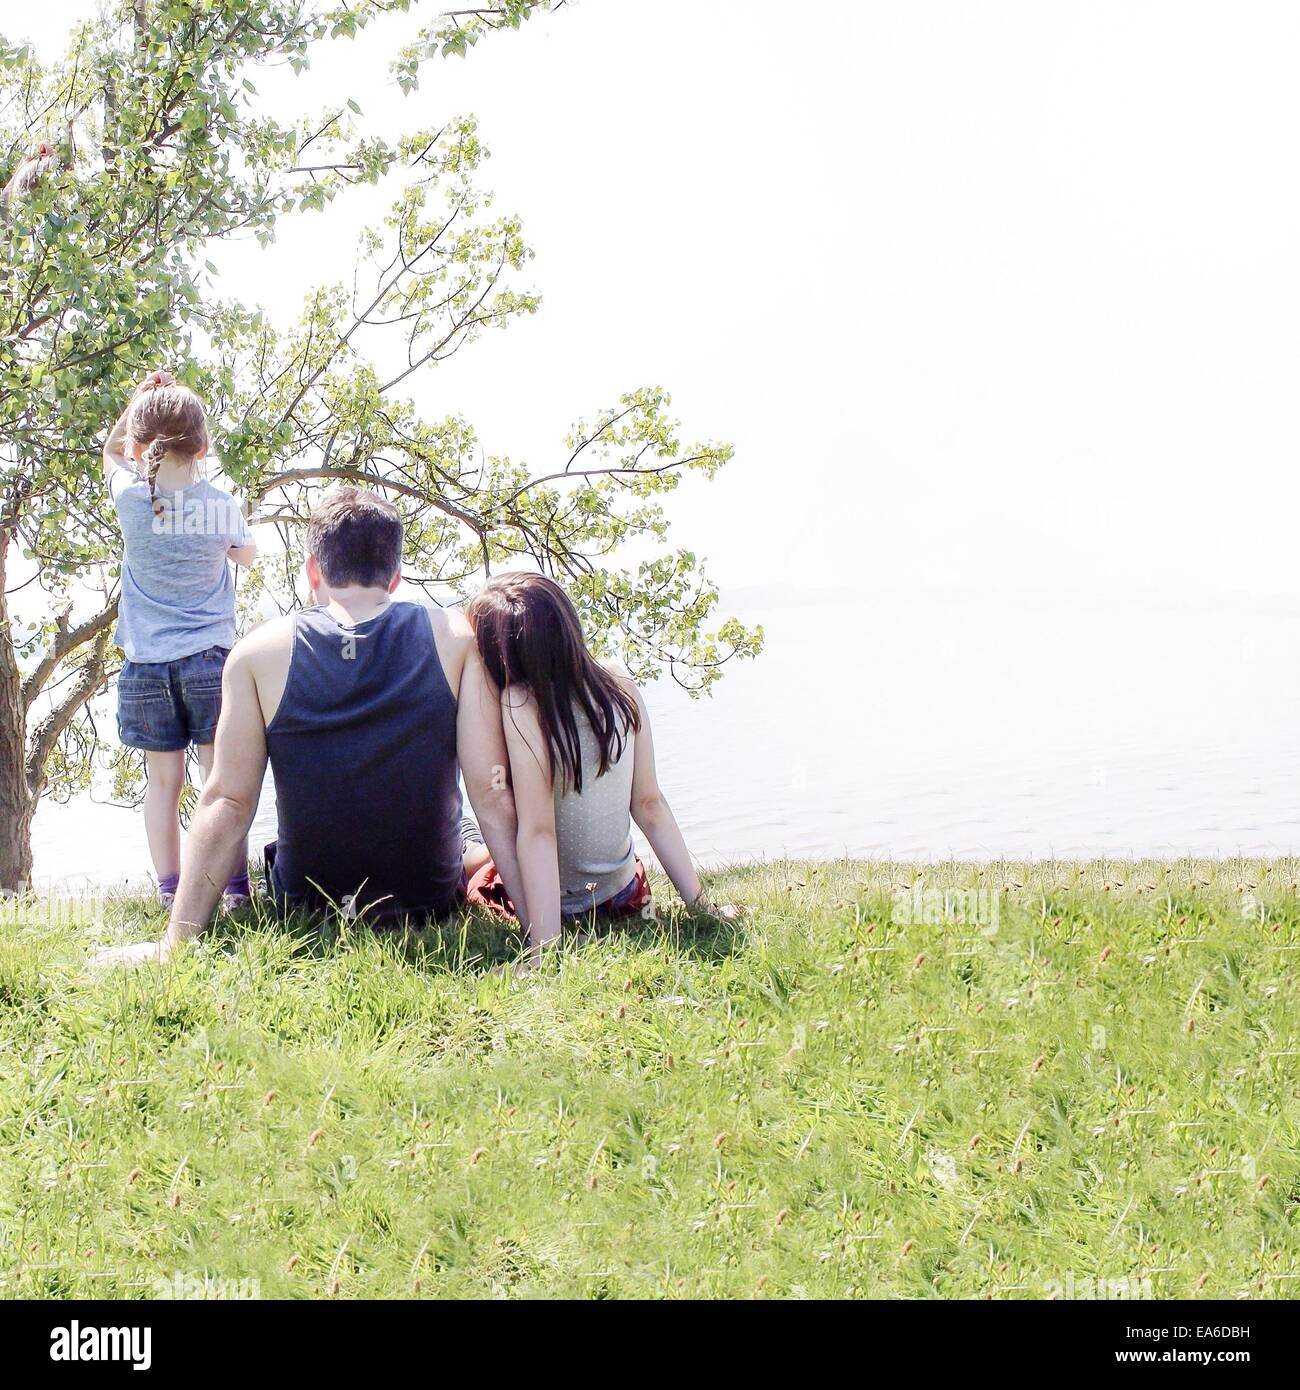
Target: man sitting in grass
column 365, row 706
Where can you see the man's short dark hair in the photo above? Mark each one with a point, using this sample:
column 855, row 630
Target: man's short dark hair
column 356, row 537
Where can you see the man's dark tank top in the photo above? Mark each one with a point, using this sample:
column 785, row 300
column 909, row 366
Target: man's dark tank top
column 363, row 752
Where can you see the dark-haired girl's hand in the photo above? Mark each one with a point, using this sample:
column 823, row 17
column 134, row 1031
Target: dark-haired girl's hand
column 726, row 912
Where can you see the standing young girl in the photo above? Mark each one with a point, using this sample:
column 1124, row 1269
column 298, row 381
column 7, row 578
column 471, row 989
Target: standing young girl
column 176, row 619
column 581, row 762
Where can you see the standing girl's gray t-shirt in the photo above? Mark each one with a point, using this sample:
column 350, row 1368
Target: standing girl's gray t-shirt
column 177, row 594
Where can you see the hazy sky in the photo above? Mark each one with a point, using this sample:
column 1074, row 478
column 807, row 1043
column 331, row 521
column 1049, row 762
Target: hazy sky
column 996, row 295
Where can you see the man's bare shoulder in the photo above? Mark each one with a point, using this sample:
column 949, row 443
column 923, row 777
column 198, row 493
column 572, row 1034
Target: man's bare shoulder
column 452, row 624
column 264, row 650
column 261, row 660
column 454, row 639
column 274, row 635
column 452, row 633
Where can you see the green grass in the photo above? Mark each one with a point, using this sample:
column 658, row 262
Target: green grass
column 816, row 1101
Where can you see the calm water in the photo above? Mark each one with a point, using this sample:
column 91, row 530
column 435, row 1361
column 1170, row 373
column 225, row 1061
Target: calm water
column 917, row 727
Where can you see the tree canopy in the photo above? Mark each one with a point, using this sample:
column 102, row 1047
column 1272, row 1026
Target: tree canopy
column 160, row 148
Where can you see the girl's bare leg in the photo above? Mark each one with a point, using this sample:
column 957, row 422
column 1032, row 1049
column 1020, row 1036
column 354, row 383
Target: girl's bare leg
column 162, row 798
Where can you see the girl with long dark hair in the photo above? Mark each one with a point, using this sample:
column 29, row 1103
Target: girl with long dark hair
column 581, row 763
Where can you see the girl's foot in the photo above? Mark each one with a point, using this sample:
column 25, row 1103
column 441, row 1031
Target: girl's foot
column 237, row 893
column 167, row 889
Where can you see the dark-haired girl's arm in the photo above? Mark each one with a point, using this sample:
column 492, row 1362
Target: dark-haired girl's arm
column 481, row 748
column 657, row 823
column 654, row 815
column 530, row 772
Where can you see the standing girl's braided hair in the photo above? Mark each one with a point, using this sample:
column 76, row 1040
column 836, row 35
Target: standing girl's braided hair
column 167, row 420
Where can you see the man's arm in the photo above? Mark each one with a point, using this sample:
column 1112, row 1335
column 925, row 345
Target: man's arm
column 226, row 805
column 481, row 748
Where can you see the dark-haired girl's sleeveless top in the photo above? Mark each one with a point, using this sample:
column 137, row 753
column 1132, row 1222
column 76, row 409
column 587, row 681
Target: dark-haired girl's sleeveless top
column 363, row 753
column 593, row 828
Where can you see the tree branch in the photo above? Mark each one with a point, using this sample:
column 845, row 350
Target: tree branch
column 67, row 639
column 364, row 479
column 46, row 733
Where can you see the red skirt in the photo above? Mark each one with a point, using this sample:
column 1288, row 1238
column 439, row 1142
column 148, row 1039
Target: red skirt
column 487, row 890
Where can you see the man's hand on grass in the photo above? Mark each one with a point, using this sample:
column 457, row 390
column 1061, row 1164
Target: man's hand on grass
column 132, row 954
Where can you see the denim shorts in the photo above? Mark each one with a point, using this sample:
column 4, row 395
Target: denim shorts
column 163, row 707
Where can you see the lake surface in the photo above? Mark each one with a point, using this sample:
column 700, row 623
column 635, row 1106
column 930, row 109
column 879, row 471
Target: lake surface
column 921, row 726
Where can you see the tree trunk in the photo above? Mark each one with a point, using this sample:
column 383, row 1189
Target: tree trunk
column 16, row 804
